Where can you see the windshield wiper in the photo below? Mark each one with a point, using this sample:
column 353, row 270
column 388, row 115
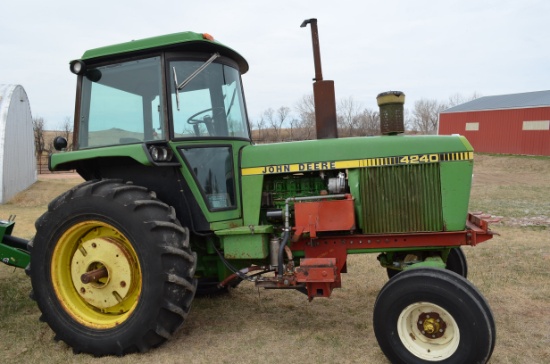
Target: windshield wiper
column 190, row 77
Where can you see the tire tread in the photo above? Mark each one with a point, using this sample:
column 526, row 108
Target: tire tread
column 178, row 262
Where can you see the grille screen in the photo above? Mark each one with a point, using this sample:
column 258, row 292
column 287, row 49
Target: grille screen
column 398, row 199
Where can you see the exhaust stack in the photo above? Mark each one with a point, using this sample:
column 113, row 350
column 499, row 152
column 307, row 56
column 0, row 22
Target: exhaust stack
column 323, row 91
column 391, row 112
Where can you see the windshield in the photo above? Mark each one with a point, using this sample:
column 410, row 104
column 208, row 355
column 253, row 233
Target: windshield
column 210, row 105
column 121, row 104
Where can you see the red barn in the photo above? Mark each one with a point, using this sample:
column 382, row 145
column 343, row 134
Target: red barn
column 509, row 124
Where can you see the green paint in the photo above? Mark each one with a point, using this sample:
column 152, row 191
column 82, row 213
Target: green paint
column 14, row 257
column 401, row 199
column 246, row 242
column 144, row 44
column 10, row 255
column 252, row 198
column 184, row 41
column 226, row 224
column 348, row 149
column 391, row 250
column 430, row 262
column 64, row 160
column 354, row 182
column 456, row 181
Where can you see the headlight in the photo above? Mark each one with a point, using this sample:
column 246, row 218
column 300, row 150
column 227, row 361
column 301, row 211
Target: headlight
column 160, row 153
column 154, row 153
column 78, row 67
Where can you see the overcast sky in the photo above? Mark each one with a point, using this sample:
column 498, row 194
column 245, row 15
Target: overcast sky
column 425, row 48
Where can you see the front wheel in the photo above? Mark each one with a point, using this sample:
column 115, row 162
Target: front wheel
column 428, row 315
column 456, row 262
column 111, row 268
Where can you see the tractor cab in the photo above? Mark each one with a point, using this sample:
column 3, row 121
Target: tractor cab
column 169, row 95
column 175, row 102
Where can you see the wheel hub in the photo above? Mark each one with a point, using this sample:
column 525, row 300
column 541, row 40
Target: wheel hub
column 102, row 253
column 431, row 325
column 428, row 331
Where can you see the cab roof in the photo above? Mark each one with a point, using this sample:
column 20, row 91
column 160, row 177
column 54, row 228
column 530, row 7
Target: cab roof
column 186, row 41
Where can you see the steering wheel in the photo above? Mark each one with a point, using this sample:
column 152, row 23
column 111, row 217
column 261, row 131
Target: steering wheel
column 194, row 120
column 207, row 120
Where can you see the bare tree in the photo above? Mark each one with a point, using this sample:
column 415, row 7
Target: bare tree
column 268, row 117
column 282, row 114
column 369, row 122
column 294, row 130
column 275, row 121
column 348, row 115
column 66, row 129
column 260, row 127
column 426, row 115
column 457, row 98
column 39, row 142
column 407, row 120
column 306, row 121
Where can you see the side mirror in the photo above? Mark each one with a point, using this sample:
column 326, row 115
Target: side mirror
column 59, row 143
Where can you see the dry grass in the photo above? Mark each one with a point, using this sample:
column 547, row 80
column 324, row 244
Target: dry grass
column 33, row 202
column 248, row 325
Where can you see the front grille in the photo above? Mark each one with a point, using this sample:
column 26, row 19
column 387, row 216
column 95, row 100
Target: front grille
column 399, row 199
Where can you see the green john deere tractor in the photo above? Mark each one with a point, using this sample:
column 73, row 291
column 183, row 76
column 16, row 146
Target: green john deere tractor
column 179, row 201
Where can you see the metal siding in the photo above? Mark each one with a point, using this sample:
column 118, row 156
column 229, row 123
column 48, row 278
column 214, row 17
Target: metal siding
column 504, row 102
column 500, row 131
column 17, row 160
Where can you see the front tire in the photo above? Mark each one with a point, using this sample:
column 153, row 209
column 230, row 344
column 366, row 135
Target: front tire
column 428, row 315
column 142, row 286
column 456, row 262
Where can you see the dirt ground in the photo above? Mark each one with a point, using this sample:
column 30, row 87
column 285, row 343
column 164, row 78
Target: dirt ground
column 526, row 177
column 59, row 175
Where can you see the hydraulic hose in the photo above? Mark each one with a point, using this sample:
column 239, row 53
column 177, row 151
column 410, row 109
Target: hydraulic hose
column 280, row 268
column 15, row 242
column 242, row 273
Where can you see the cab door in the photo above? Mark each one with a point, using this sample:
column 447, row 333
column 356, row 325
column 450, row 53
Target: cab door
column 209, row 127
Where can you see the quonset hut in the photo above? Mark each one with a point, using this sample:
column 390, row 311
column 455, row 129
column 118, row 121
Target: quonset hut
column 17, row 158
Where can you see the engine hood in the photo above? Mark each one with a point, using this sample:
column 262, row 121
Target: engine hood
column 326, row 154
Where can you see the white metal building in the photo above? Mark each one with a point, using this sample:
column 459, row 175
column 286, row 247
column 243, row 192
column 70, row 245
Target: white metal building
column 17, row 158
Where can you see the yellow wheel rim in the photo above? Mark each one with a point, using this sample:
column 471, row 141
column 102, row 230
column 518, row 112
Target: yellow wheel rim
column 95, row 246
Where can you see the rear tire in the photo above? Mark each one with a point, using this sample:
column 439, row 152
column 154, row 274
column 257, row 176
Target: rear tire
column 428, row 315
column 147, row 287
